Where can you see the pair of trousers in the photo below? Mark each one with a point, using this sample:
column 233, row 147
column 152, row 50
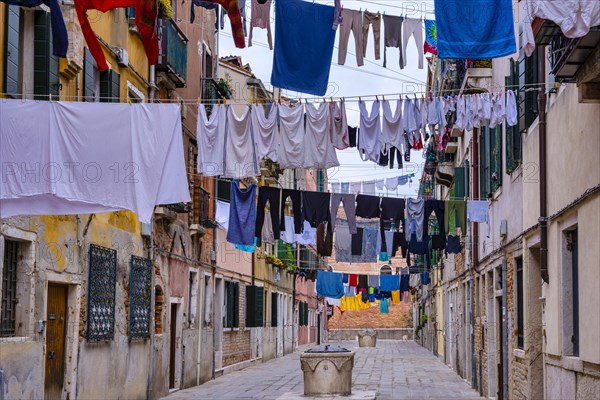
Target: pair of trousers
column 393, row 36
column 315, row 207
column 349, row 208
column 374, row 20
column 437, row 207
column 296, row 198
column 352, row 21
column 414, row 27
column 324, row 239
column 356, row 243
column 415, row 210
column 385, row 158
column 266, row 195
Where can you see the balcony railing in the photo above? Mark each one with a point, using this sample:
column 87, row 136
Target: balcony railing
column 172, row 52
column 568, row 55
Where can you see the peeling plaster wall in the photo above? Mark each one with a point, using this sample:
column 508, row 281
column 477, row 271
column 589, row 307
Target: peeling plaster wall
column 23, row 365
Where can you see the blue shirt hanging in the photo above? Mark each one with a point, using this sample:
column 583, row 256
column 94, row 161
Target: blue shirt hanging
column 242, row 215
column 330, row 284
column 474, row 29
column 303, row 46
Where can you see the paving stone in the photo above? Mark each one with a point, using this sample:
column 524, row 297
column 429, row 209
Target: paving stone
column 392, row 370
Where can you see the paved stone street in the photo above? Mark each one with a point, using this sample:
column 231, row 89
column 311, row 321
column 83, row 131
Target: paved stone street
column 395, row 369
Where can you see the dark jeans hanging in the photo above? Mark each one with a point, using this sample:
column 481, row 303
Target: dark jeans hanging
column 266, row 195
column 296, row 198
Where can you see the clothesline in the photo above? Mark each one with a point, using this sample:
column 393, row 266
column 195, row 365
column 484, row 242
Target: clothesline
column 207, row 101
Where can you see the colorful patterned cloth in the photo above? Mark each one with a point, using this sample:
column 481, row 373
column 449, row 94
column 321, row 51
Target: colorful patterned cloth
column 430, row 37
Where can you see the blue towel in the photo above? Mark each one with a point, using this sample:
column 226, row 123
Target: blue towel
column 389, row 283
column 474, row 29
column 60, row 40
column 345, row 278
column 329, row 284
column 242, row 215
column 383, row 306
column 303, row 46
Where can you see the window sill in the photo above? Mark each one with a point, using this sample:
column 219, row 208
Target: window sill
column 225, row 330
column 16, row 339
column 497, row 193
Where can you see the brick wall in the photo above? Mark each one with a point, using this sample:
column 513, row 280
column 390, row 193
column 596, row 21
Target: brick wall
column 399, row 317
column 236, row 343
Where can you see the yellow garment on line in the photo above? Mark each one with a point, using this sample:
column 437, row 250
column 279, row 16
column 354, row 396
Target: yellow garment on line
column 353, row 303
column 344, row 303
column 395, row 296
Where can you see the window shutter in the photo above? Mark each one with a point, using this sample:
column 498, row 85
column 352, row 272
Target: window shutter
column 274, row 298
column 483, row 168
column 496, row 157
column 300, row 314
column 89, row 77
column 109, row 86
column 250, row 305
column 459, row 183
column 13, row 47
column 230, row 302
column 259, row 306
column 45, row 65
column 236, row 304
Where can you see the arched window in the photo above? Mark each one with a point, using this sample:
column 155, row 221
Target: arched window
column 385, row 270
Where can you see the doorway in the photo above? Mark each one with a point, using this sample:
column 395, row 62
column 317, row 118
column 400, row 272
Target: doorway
column 173, row 344
column 56, row 322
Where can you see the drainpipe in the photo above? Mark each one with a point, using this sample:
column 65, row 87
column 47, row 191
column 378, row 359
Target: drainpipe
column 151, row 251
column 214, row 280
column 543, row 220
column 152, row 93
column 475, row 254
column 504, row 339
column 152, row 312
column 468, row 245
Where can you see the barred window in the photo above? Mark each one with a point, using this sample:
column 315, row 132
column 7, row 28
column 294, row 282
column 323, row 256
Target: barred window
column 9, row 288
column 140, row 293
column 101, row 297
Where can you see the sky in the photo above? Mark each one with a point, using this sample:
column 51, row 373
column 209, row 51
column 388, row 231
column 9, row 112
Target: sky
column 350, row 80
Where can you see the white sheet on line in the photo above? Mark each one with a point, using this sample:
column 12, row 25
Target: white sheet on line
column 62, row 158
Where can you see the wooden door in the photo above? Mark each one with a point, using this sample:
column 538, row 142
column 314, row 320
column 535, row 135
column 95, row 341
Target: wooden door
column 173, row 345
column 56, row 323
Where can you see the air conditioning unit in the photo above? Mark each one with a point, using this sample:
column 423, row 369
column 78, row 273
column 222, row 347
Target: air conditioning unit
column 122, row 57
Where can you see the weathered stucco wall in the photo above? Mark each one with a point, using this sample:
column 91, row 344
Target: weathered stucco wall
column 23, row 365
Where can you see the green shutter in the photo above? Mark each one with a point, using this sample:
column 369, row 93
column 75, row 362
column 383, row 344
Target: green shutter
column 258, row 310
column 254, row 306
column 13, row 46
column 110, row 86
column 89, row 77
column 497, row 157
column 483, row 164
column 45, row 65
column 301, row 314
column 459, row 183
column 229, row 301
column 250, row 305
column 513, row 133
column 274, row 298
column 236, row 304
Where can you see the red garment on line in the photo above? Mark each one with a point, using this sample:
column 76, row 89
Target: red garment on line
column 353, row 280
column 235, row 17
column 146, row 12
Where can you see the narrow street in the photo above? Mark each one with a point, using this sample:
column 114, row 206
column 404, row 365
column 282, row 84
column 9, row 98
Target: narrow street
column 395, row 369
